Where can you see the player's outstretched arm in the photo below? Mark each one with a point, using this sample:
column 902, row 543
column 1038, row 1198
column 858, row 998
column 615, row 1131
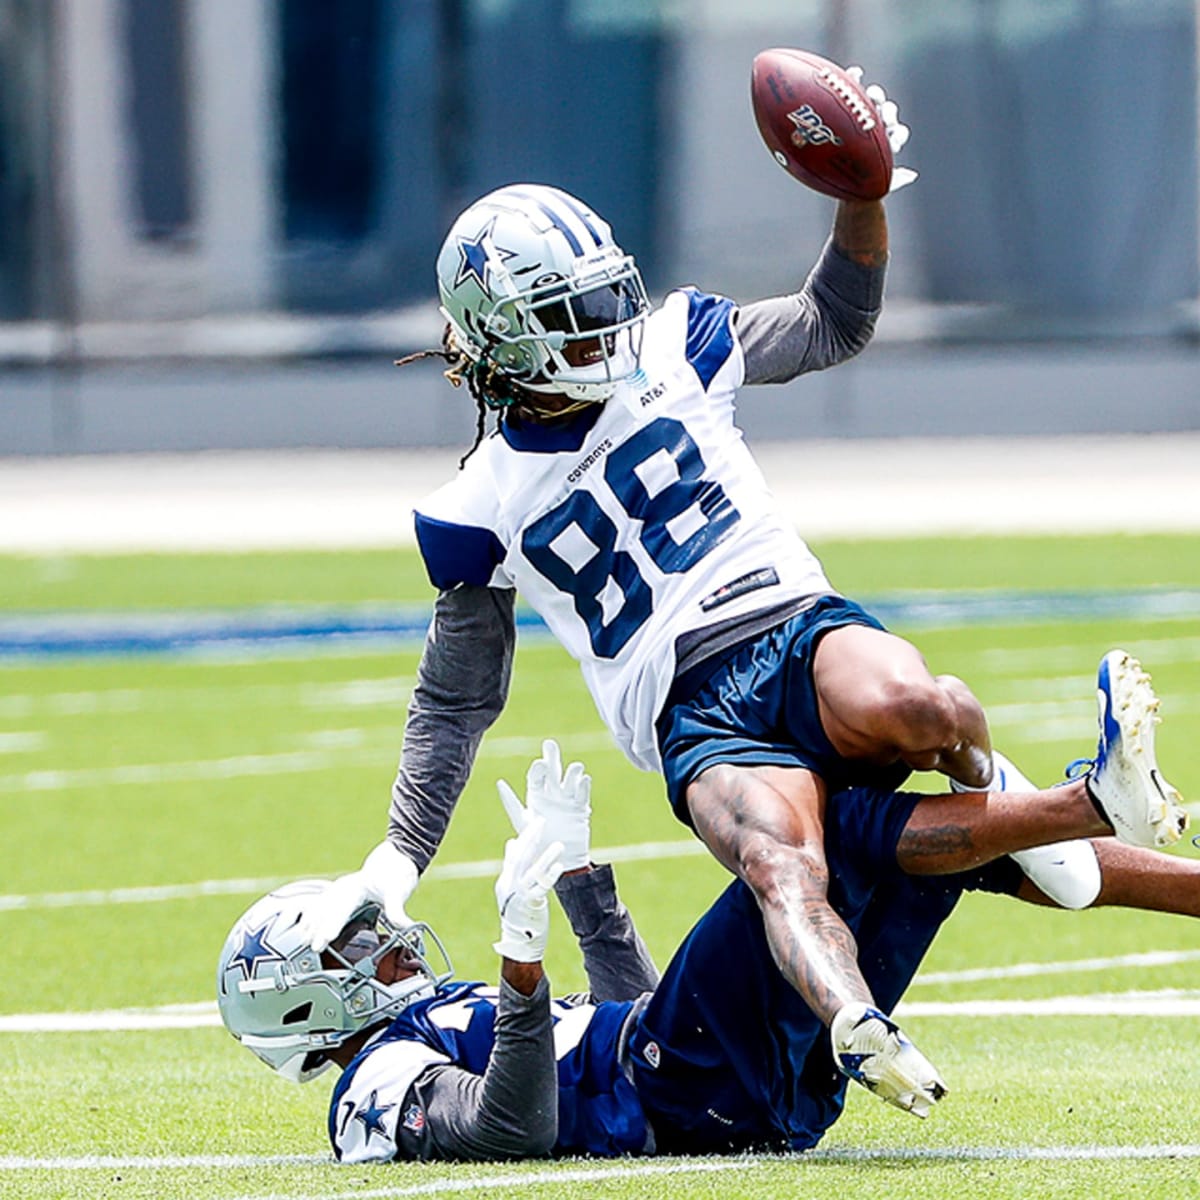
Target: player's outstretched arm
column 462, row 686
column 511, row 1110
column 860, row 232
column 833, row 316
column 860, row 227
column 515, row 1110
column 618, row 965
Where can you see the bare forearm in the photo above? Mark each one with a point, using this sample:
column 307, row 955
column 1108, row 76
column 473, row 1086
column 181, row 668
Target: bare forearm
column 860, row 231
column 521, row 977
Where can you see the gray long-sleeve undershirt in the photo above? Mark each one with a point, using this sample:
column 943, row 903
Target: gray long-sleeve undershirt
column 462, row 684
column 511, row 1111
column 463, row 678
column 618, row 965
column 829, row 320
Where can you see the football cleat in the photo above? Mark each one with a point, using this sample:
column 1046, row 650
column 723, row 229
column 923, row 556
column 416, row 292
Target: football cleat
column 1123, row 779
column 872, row 1049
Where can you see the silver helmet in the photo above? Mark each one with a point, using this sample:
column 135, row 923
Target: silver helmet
column 289, row 1004
column 527, row 271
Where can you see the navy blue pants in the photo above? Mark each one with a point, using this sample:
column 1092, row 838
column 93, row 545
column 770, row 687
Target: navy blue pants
column 756, row 705
column 727, row 1056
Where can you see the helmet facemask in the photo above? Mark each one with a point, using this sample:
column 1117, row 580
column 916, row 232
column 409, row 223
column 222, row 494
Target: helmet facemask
column 604, row 314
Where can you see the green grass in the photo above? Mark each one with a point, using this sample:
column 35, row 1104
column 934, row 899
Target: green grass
column 206, row 581
column 147, row 772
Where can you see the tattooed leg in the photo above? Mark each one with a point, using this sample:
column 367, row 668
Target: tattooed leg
column 963, row 830
column 766, row 825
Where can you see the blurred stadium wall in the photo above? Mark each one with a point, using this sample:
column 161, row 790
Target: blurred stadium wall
column 218, row 217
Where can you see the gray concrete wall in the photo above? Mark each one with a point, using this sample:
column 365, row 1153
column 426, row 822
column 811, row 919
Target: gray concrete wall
column 186, row 344
column 892, row 389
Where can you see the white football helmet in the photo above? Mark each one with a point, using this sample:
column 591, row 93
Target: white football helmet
column 528, row 270
column 289, row 1004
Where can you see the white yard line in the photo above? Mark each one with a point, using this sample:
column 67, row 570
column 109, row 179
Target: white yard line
column 241, row 766
column 1152, row 958
column 1168, row 1002
column 651, row 1170
column 477, row 869
column 596, row 1174
column 1165, row 1002
column 236, row 767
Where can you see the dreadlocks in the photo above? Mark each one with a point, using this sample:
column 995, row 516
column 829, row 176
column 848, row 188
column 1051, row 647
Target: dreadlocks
column 489, row 386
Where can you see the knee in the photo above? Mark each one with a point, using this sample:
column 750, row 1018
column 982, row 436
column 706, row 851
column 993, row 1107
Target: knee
column 922, row 713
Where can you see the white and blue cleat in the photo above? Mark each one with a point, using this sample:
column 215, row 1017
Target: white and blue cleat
column 872, row 1049
column 1123, row 779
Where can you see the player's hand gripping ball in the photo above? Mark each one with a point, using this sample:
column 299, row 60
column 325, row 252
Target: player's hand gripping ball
column 824, row 128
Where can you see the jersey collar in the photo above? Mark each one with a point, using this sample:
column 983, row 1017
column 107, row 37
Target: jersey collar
column 549, row 437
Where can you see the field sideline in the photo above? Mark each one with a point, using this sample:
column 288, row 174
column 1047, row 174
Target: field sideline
column 325, row 499
column 146, row 797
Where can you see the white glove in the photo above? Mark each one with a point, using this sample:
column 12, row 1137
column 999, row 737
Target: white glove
column 531, row 868
column 897, row 132
column 388, row 877
column 562, row 801
column 870, row 1048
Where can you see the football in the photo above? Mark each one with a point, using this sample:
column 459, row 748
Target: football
column 819, row 124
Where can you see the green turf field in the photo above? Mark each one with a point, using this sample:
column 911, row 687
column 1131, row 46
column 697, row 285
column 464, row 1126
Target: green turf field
column 146, row 800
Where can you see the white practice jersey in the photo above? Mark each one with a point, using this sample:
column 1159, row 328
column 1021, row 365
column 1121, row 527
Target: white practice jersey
column 388, row 1104
column 628, row 528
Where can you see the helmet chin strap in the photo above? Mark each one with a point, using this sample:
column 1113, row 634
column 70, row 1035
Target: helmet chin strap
column 566, row 410
column 544, row 398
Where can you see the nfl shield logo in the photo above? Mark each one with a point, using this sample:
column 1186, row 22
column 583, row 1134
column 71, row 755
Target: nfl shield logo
column 414, row 1118
column 652, row 1054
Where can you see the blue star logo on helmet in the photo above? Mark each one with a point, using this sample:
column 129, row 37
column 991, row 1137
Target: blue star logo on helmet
column 255, row 949
column 475, row 259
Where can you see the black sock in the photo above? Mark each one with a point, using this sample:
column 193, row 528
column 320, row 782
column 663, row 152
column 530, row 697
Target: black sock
column 1087, row 787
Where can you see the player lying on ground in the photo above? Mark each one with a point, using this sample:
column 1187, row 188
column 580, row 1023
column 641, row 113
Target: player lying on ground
column 719, row 1055
column 617, row 495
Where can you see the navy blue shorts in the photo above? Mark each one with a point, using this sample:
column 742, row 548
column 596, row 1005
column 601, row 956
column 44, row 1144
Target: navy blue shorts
column 758, row 707
column 727, row 1056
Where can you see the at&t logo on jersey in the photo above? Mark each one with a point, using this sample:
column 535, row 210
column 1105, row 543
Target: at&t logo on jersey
column 810, row 129
column 652, row 393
